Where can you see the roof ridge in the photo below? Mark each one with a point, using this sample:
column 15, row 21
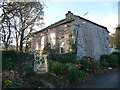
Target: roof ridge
column 63, row 21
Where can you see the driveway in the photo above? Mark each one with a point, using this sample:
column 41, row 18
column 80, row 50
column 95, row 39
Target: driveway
column 107, row 80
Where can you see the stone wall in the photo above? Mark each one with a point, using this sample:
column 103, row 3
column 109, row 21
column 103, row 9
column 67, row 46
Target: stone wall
column 64, row 33
column 92, row 40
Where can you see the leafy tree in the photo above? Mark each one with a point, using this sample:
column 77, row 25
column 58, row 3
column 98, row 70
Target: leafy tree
column 117, row 37
column 112, row 41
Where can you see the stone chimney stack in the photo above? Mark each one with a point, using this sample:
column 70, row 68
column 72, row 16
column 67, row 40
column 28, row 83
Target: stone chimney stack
column 69, row 14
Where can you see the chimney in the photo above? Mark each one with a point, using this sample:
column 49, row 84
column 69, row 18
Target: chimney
column 69, row 14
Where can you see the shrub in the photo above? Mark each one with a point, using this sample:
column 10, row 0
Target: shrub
column 88, row 64
column 63, row 58
column 79, row 66
column 60, row 69
column 84, row 75
column 13, row 60
column 118, row 56
column 111, row 59
column 9, row 59
column 56, row 68
column 101, row 67
column 104, row 64
column 73, row 74
column 64, row 69
column 68, row 71
column 85, row 64
column 9, row 77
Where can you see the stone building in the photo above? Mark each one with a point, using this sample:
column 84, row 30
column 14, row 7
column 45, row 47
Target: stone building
column 89, row 38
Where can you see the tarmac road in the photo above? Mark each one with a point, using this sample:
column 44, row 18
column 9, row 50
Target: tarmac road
column 107, row 80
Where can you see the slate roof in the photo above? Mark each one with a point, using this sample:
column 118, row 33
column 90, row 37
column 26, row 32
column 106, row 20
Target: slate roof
column 63, row 21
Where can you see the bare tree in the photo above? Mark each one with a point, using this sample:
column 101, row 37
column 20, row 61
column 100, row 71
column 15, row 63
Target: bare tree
column 29, row 14
column 5, row 26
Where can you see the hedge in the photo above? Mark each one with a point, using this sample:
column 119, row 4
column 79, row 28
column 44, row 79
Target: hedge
column 9, row 59
column 118, row 56
column 20, row 61
column 63, row 58
column 111, row 59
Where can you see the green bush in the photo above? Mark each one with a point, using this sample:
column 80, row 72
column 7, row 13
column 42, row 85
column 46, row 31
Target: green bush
column 104, row 64
column 111, row 59
column 68, row 71
column 13, row 60
column 118, row 56
column 9, row 77
column 101, row 67
column 73, row 74
column 64, row 69
column 9, row 59
column 60, row 69
column 87, row 64
column 84, row 75
column 63, row 58
column 56, row 68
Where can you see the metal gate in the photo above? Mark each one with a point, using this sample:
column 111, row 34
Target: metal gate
column 40, row 63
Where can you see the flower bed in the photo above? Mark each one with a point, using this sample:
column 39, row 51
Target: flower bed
column 87, row 64
column 12, row 79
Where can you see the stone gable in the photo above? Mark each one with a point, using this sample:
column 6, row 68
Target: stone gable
column 89, row 38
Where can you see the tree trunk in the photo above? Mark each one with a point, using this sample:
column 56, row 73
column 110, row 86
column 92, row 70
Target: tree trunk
column 21, row 41
column 16, row 37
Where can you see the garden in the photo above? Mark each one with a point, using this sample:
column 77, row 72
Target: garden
column 84, row 69
column 64, row 70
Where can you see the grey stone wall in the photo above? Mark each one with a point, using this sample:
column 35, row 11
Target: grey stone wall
column 92, row 40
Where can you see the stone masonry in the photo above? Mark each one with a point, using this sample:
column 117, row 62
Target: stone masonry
column 90, row 38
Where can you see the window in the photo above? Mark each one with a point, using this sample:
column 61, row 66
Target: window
column 42, row 43
column 66, row 25
column 53, row 40
column 37, row 47
column 62, row 47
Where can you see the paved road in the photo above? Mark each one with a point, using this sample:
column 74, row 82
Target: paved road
column 108, row 80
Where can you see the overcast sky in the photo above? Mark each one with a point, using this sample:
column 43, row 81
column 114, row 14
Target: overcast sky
column 101, row 12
